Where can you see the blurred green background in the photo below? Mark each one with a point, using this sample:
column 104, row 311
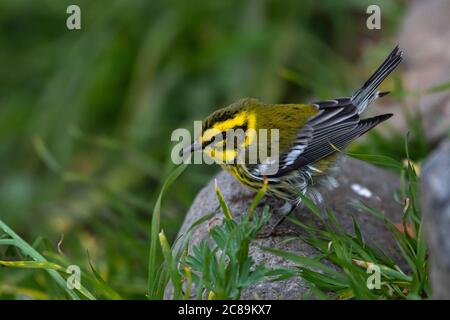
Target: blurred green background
column 86, row 115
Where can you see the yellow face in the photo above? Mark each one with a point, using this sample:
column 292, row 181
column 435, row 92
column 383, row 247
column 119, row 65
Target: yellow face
column 219, row 138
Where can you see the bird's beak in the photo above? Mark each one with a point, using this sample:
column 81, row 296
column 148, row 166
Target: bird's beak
column 192, row 148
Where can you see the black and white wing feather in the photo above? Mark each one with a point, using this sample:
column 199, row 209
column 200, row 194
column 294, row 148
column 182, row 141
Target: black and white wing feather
column 338, row 123
column 335, row 125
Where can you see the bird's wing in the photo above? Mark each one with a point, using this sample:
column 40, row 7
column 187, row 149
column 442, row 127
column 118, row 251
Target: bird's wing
column 335, row 125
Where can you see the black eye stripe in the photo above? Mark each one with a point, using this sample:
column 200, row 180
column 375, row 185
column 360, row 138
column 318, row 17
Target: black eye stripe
column 243, row 127
column 214, row 138
column 222, row 135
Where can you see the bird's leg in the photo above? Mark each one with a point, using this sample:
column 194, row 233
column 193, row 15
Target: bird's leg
column 285, row 211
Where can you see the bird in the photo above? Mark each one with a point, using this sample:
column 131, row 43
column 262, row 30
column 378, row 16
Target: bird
column 309, row 138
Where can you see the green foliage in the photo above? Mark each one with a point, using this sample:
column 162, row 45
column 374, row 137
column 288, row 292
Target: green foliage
column 156, row 218
column 217, row 270
column 222, row 270
column 39, row 260
column 56, row 270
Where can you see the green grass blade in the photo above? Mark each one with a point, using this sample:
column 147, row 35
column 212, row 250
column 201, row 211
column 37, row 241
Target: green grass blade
column 109, row 292
column 222, row 202
column 438, row 88
column 33, row 265
column 152, row 283
column 305, row 261
column 376, row 159
column 171, row 264
column 36, row 256
column 259, row 195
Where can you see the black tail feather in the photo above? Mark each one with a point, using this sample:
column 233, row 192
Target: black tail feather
column 369, row 123
column 367, row 92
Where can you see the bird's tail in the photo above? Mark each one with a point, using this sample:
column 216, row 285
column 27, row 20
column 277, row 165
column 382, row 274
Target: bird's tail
column 368, row 92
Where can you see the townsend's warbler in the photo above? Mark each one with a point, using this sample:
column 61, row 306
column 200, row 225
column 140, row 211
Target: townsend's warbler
column 308, row 140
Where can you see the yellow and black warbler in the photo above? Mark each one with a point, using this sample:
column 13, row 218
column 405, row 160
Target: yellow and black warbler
column 309, row 137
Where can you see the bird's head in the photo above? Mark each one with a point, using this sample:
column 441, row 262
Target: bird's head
column 227, row 131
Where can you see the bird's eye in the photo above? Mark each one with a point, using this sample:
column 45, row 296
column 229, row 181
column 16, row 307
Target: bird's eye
column 213, row 139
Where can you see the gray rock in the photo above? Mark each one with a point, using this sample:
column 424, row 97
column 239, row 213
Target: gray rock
column 357, row 181
column 425, row 41
column 436, row 215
